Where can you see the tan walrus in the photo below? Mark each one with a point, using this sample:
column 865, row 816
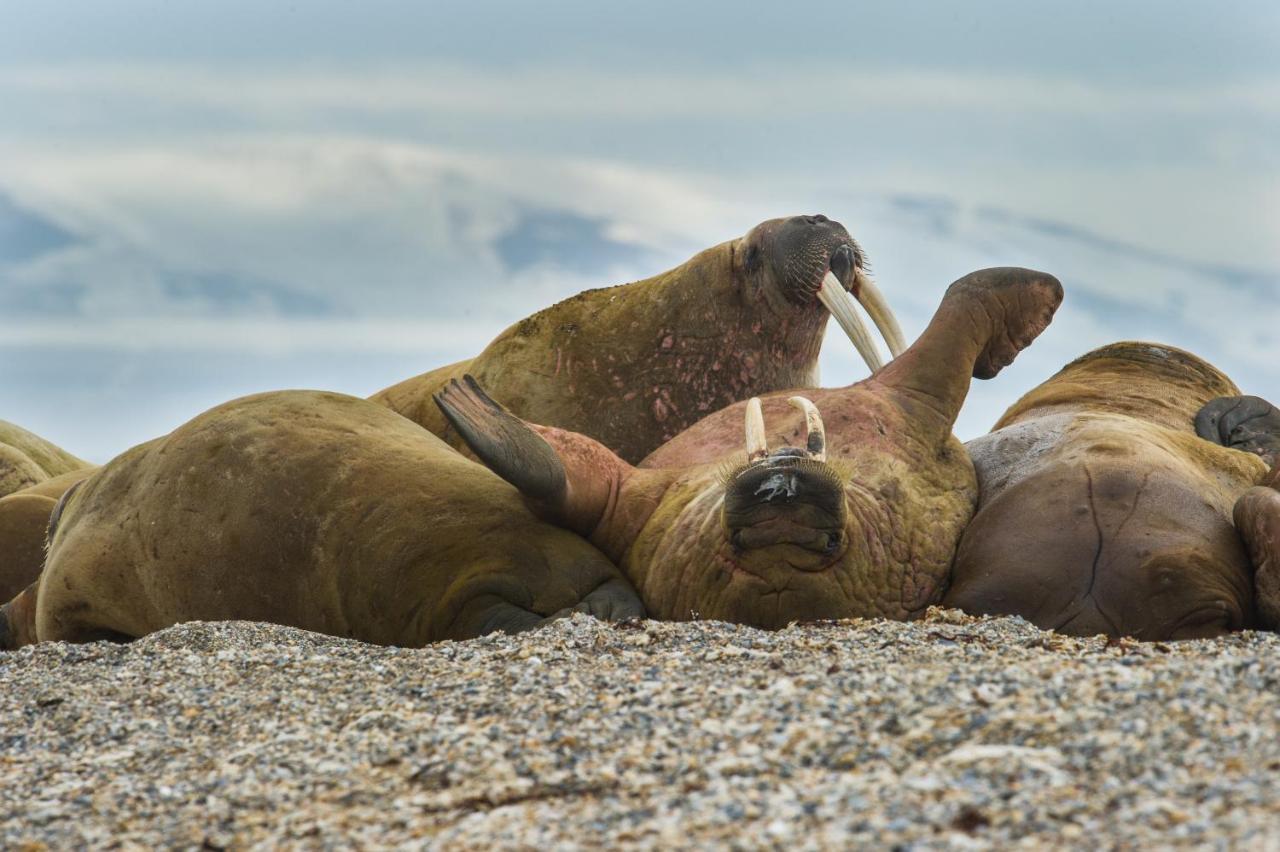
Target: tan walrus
column 1119, row 498
column 308, row 509
column 26, row 459
column 857, row 517
column 634, row 365
column 24, row 518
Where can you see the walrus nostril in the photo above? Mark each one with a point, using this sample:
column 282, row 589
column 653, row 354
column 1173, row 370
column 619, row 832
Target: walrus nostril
column 784, row 484
column 816, row 220
column 842, row 264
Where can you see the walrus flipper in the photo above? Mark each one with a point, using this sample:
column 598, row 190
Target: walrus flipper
column 504, row 442
column 613, row 600
column 1247, row 423
column 504, row 605
column 1257, row 519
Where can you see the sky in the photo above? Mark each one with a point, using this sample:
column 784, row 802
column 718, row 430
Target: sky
column 204, row 200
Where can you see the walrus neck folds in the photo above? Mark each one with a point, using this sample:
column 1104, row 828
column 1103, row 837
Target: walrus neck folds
column 1149, row 381
column 784, row 338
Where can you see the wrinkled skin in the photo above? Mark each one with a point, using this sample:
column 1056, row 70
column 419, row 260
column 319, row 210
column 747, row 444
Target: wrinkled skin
column 24, row 518
column 634, row 365
column 1102, row 510
column 27, row 459
column 307, row 509
column 703, row 530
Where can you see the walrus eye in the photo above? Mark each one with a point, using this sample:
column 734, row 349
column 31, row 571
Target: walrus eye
column 752, row 260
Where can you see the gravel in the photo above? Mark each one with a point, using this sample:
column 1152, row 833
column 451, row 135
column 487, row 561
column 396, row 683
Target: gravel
column 947, row 732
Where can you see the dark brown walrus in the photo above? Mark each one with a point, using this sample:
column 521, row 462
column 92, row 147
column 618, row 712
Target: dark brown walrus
column 307, row 509
column 859, row 517
column 1103, row 511
column 27, row 459
column 634, row 365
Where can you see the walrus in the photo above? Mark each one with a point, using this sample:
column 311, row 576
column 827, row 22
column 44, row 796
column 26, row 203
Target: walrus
column 854, row 512
column 634, row 365
column 24, row 520
column 1119, row 498
column 27, row 459
column 313, row 510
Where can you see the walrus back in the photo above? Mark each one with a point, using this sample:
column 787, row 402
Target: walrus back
column 307, row 509
column 1104, row 523
column 27, row 459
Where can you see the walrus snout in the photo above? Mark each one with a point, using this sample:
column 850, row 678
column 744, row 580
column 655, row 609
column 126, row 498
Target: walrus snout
column 803, row 250
column 842, row 264
column 785, row 499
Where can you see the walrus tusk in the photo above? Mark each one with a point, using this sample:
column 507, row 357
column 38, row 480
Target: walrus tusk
column 870, row 297
column 840, row 303
column 757, row 446
column 816, row 438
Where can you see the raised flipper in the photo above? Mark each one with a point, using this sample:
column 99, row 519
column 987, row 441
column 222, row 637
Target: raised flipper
column 566, row 478
column 504, row 442
column 1247, row 423
column 1257, row 518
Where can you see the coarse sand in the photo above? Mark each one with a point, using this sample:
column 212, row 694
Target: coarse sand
column 946, row 732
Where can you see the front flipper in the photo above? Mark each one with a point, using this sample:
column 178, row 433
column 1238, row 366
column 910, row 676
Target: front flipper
column 505, row 606
column 566, row 478
column 1247, row 423
column 1257, row 518
column 504, row 442
column 614, row 600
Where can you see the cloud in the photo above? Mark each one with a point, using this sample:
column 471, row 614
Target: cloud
column 803, row 89
column 25, row 236
column 336, row 225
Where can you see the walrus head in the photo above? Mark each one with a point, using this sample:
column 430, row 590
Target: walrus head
column 786, row 505
column 855, row 517
column 802, row 260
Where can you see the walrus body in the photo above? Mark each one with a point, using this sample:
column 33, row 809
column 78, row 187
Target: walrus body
column 307, row 509
column 634, row 365
column 24, row 518
column 855, row 511
column 1103, row 511
column 27, row 459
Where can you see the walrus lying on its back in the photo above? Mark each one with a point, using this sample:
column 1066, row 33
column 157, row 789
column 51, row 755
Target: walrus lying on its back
column 634, row 365
column 857, row 518
column 27, row 459
column 1103, row 511
column 307, row 509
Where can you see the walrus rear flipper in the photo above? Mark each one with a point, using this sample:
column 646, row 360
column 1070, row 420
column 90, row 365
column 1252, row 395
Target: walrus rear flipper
column 1257, row 519
column 1247, row 423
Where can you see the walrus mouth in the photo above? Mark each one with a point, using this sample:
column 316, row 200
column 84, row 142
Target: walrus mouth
column 789, row 497
column 831, row 291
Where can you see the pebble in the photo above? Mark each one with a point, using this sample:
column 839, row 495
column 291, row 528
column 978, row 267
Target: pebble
column 949, row 732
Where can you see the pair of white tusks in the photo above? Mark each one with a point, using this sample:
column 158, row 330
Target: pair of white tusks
column 840, row 303
column 815, row 436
